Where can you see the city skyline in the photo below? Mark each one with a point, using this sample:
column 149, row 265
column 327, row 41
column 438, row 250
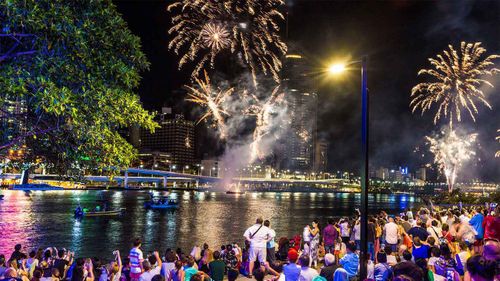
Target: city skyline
column 344, row 34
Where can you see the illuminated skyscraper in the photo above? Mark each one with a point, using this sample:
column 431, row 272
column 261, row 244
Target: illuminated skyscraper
column 175, row 137
column 299, row 144
column 12, row 119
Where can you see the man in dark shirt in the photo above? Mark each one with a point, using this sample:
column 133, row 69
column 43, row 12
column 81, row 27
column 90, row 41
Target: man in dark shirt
column 419, row 231
column 371, row 233
column 329, row 269
column 17, row 254
column 60, row 263
column 330, row 235
column 217, row 267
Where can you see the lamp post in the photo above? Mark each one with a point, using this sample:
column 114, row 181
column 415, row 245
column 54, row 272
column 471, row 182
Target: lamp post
column 337, row 68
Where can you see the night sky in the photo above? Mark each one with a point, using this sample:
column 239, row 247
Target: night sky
column 398, row 37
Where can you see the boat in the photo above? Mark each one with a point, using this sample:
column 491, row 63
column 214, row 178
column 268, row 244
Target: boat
column 35, row 187
column 109, row 213
column 235, row 192
column 161, row 203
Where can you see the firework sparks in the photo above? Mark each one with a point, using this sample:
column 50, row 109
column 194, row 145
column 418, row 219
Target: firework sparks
column 202, row 29
column 498, row 139
column 457, row 81
column 304, row 135
column 211, row 100
column 215, row 36
column 263, row 112
column 451, row 151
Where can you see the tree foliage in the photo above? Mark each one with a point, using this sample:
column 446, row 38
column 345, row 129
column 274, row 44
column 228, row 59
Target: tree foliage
column 77, row 87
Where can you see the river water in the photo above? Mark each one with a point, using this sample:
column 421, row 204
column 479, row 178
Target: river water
column 43, row 219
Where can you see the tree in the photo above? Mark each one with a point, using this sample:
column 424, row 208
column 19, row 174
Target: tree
column 68, row 70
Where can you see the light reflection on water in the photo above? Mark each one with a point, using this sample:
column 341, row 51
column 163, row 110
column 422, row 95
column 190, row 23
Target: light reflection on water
column 46, row 218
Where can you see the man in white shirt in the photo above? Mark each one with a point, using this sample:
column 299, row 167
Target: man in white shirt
column 258, row 235
column 152, row 267
column 391, row 234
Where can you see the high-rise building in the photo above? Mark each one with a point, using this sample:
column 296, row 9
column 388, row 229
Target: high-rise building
column 421, row 173
column 299, row 144
column 382, row 173
column 12, row 119
column 175, row 137
column 321, row 156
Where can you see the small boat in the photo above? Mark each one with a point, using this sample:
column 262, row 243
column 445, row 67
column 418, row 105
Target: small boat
column 161, row 203
column 110, row 213
column 235, row 192
column 36, row 187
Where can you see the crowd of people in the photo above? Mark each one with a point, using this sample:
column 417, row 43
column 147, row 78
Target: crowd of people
column 426, row 245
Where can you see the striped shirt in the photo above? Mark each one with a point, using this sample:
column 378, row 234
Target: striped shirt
column 136, row 258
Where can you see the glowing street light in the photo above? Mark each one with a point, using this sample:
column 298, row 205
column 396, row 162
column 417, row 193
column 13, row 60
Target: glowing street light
column 336, row 68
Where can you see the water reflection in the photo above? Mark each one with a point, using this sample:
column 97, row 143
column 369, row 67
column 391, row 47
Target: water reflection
column 46, row 218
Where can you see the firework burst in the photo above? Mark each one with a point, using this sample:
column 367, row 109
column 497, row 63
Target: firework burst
column 215, row 37
column 451, row 151
column 457, row 80
column 203, row 29
column 263, row 112
column 212, row 101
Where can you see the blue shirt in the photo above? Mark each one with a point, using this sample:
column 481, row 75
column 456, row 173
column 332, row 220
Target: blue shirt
column 477, row 223
column 350, row 263
column 421, row 253
column 291, row 271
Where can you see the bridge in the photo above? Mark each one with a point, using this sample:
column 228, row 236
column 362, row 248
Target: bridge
column 160, row 178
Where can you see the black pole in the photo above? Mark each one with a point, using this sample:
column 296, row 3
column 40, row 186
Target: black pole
column 364, row 170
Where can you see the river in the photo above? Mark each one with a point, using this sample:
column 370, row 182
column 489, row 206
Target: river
column 43, row 219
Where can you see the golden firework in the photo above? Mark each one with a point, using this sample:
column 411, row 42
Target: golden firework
column 215, row 36
column 249, row 29
column 212, row 101
column 456, row 83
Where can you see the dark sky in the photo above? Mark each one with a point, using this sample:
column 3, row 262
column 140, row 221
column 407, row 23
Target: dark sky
column 398, row 36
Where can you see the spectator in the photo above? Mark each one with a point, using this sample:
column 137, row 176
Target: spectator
column 329, row 269
column 391, row 234
column 258, row 235
column 350, row 262
column 481, row 269
column 420, row 249
column 136, row 259
column 291, row 271
column 382, row 268
column 330, row 235
column 271, row 245
column 217, row 267
column 306, row 273
column 151, row 266
column 419, row 231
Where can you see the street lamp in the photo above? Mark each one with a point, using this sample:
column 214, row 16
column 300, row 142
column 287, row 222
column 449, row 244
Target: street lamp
column 335, row 69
